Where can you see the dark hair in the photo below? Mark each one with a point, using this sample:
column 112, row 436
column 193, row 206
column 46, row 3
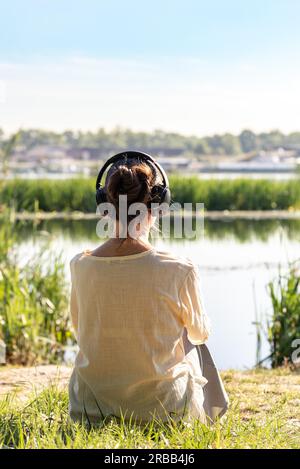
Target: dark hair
column 135, row 179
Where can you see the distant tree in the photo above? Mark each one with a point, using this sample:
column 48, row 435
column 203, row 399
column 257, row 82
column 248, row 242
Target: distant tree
column 231, row 144
column 248, row 141
column 270, row 139
column 292, row 138
column 69, row 138
column 215, row 145
column 201, row 148
column 7, row 149
column 120, row 138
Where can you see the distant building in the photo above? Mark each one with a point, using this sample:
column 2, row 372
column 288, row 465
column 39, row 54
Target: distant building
column 174, row 163
column 55, row 159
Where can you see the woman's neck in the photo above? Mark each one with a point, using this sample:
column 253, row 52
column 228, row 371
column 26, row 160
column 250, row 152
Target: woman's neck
column 122, row 247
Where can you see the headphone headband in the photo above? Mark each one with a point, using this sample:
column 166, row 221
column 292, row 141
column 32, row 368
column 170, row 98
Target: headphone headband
column 131, row 154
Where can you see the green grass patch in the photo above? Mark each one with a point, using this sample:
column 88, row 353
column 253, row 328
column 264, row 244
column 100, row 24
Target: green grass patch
column 261, row 416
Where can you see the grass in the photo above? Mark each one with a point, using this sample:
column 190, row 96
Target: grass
column 79, row 194
column 264, row 413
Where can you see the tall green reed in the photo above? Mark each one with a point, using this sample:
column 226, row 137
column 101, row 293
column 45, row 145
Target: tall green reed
column 284, row 324
column 34, row 319
column 79, row 194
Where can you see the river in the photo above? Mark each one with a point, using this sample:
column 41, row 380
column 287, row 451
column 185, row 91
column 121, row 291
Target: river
column 236, row 260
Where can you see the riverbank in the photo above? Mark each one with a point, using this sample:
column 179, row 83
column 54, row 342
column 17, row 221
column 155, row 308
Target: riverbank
column 208, row 214
column 264, row 413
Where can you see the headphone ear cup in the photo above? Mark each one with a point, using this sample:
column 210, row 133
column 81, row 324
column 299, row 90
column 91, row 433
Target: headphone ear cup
column 167, row 196
column 100, row 196
column 156, row 194
column 160, row 194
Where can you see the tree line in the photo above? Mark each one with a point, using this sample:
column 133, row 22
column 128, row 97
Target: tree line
column 158, row 140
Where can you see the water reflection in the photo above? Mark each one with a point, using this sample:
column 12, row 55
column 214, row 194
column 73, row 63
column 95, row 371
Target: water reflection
column 238, row 230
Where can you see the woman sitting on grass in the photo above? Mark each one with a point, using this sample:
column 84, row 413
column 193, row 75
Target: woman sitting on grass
column 138, row 316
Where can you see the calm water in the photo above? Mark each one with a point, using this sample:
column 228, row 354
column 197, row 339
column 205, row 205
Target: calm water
column 236, row 261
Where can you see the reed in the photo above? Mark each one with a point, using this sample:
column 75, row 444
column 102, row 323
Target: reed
column 79, row 194
column 284, row 324
column 34, row 320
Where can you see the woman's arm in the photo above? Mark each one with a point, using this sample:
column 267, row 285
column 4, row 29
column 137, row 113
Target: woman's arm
column 73, row 298
column 74, row 309
column 193, row 312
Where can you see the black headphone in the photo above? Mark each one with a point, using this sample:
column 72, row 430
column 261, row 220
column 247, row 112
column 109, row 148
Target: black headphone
column 159, row 193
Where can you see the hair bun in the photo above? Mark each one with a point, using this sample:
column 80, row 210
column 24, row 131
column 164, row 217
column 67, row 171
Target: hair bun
column 127, row 179
column 135, row 180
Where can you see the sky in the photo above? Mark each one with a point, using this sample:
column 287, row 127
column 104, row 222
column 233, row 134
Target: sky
column 194, row 67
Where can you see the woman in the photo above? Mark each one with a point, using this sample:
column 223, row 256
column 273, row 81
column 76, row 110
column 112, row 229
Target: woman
column 138, row 316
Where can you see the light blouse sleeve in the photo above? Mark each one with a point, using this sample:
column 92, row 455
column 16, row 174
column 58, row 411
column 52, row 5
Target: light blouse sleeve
column 193, row 312
column 73, row 303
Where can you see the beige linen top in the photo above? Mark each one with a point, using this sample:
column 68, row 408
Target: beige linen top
column 129, row 314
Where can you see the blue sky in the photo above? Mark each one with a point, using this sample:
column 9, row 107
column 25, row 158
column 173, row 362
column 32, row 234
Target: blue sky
column 190, row 66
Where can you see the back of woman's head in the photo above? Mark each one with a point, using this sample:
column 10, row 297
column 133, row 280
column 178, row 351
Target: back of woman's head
column 134, row 179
